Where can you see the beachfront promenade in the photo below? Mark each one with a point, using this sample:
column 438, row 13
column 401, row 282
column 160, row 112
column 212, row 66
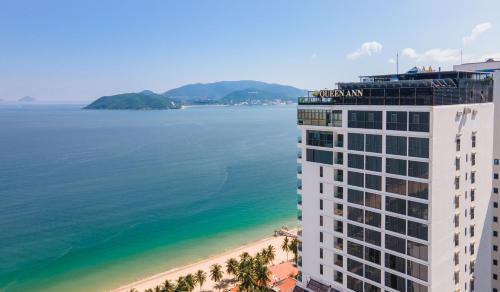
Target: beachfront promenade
column 251, row 248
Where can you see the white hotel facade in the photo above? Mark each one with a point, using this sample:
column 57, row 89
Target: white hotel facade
column 394, row 185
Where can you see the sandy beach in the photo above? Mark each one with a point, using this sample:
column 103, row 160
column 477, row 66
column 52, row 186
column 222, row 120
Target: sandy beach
column 252, row 248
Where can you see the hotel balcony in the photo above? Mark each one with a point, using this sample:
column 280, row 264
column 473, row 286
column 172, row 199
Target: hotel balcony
column 299, row 139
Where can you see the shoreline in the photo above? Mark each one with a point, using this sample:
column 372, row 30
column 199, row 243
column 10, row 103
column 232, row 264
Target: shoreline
column 204, row 264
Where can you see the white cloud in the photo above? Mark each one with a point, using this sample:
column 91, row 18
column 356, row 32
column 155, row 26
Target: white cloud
column 433, row 55
column 391, row 61
column 367, row 48
column 476, row 31
column 409, row 52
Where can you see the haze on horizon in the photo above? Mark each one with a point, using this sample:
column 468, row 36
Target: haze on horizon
column 72, row 51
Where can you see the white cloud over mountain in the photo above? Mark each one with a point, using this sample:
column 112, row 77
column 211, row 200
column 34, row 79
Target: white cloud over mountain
column 367, row 48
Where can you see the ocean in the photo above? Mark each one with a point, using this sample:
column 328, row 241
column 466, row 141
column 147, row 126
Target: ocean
column 90, row 200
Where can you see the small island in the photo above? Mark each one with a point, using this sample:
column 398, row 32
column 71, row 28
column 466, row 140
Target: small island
column 134, row 101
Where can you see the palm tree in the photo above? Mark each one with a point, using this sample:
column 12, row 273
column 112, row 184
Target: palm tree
column 133, row 290
column 190, row 281
column 285, row 246
column 246, row 273
column 271, row 253
column 216, row 273
column 168, row 286
column 149, row 290
column 245, row 256
column 232, row 267
column 293, row 247
column 158, row 289
column 181, row 285
column 200, row 277
column 261, row 274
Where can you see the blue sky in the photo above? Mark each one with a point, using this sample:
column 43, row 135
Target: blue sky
column 80, row 50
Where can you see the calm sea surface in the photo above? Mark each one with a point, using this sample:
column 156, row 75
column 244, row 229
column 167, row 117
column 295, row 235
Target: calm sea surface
column 93, row 199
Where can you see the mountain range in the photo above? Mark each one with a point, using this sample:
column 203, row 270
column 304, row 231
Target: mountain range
column 222, row 92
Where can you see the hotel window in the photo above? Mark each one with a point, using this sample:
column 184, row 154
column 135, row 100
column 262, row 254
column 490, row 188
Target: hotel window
column 356, row 142
column 320, row 220
column 354, row 249
column 372, row 273
column 372, row 236
column 395, row 244
column 472, row 231
column 320, row 269
column 338, row 226
column 395, row 205
column 456, row 277
column 495, row 176
column 457, row 142
column 372, row 255
column 373, row 219
column 319, row 156
column 339, row 243
column 418, row 271
column 373, row 163
column 417, row 210
column 496, row 161
column 395, row 145
column 320, row 252
column 321, row 171
column 355, row 196
column 355, row 214
column 365, row 119
column 418, row 190
column 356, row 161
column 320, row 138
column 457, row 182
column 457, row 163
column 321, row 236
column 418, row 147
column 417, row 230
column 419, row 121
column 495, row 248
column 354, row 284
column 339, row 277
column 337, row 118
column 473, row 177
column 397, row 121
column 395, row 263
column 473, row 159
column 415, row 287
column 495, row 205
column 395, row 282
column 418, row 169
column 373, row 143
column 320, row 188
column 395, row 185
column 495, row 190
column 417, row 250
column 472, row 213
column 395, row 166
column 355, row 179
column 395, row 224
column 473, row 140
column 373, row 182
column 373, row 200
column 339, row 260
column 354, row 231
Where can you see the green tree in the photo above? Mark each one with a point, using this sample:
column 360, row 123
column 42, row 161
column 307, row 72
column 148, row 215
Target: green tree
column 149, row 290
column 168, row 286
column 216, row 273
column 271, row 253
column 246, row 275
column 293, row 248
column 261, row 274
column 158, row 289
column 181, row 285
column 190, row 282
column 232, row 267
column 200, row 276
column 285, row 246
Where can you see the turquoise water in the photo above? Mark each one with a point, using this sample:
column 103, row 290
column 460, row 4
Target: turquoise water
column 93, row 199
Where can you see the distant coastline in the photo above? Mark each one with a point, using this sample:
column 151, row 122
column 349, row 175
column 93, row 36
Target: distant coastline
column 223, row 93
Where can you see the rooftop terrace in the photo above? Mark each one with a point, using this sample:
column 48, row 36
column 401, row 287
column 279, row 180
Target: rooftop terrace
column 422, row 88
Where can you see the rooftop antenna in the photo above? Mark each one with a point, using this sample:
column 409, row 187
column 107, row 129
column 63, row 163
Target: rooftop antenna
column 397, row 62
column 461, row 57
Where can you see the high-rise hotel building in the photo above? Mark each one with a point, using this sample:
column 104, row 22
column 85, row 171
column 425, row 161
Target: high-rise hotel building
column 395, row 183
column 493, row 67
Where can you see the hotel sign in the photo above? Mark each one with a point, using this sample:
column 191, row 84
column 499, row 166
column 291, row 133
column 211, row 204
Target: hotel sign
column 338, row 93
